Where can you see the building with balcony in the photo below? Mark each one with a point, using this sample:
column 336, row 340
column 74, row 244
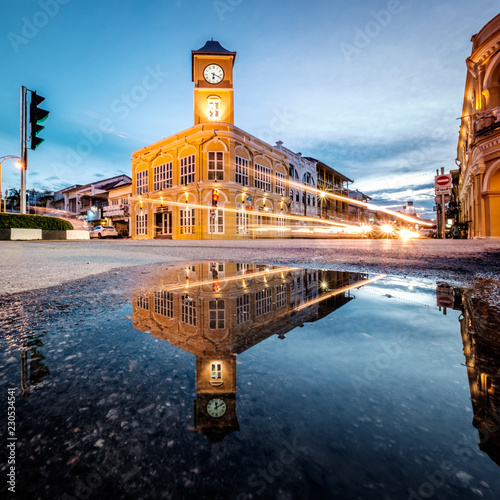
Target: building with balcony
column 262, row 190
column 478, row 152
column 92, row 197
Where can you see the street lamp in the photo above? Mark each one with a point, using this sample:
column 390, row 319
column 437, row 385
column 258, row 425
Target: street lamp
column 2, row 159
column 322, row 195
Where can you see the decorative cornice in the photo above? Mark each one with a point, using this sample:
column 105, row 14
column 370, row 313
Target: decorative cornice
column 487, row 145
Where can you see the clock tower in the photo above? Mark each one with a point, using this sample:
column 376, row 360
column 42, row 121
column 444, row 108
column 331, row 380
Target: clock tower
column 212, row 72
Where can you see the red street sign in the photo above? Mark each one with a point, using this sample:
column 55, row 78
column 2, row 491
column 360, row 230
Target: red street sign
column 443, row 180
column 444, row 296
column 248, row 207
column 442, row 184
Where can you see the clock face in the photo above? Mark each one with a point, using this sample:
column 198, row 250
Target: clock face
column 213, row 74
column 216, row 407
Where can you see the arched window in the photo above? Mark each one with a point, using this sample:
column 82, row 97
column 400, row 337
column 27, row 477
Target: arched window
column 213, row 107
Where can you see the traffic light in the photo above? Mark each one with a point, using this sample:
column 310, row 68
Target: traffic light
column 37, row 115
column 215, row 197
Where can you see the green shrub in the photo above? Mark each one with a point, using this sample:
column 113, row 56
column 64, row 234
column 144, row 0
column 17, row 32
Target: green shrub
column 8, row 221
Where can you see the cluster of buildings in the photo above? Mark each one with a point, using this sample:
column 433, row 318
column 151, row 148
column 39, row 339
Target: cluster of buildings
column 476, row 191
column 261, row 190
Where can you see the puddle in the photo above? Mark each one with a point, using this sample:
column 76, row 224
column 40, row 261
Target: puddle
column 226, row 380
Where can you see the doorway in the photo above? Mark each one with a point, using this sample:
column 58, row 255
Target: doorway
column 163, row 225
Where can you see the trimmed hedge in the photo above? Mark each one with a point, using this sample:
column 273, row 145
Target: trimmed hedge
column 9, row 221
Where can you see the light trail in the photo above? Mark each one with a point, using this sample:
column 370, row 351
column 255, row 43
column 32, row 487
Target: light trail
column 187, row 285
column 339, row 291
column 369, row 206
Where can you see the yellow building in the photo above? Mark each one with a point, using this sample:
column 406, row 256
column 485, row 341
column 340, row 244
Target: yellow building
column 478, row 154
column 174, row 179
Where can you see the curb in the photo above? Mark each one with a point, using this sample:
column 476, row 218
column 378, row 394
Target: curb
column 22, row 234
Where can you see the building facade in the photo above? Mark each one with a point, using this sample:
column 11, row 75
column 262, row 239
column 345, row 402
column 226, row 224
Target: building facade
column 262, row 190
column 478, row 153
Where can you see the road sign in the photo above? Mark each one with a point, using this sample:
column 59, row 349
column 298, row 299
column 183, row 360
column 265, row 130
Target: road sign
column 249, row 207
column 444, row 296
column 442, row 184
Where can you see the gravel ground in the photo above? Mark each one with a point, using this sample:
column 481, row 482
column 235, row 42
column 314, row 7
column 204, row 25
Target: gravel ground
column 37, row 265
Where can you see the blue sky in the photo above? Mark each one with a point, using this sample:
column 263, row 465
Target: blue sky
column 373, row 88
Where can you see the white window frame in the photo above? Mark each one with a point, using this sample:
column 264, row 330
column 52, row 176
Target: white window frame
column 216, row 370
column 188, row 310
column 162, row 176
column 242, row 170
column 242, row 309
column 281, row 296
column 262, row 177
column 141, row 182
column 216, row 225
column 280, row 184
column 242, row 222
column 141, row 223
column 164, row 303
column 187, row 220
column 263, row 302
column 188, row 169
column 213, row 108
column 216, row 314
column 143, row 302
column 215, row 167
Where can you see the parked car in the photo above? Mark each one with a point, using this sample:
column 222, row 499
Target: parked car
column 103, row 232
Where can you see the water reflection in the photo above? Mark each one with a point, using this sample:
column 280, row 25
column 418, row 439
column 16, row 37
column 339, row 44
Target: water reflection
column 216, row 311
column 480, row 329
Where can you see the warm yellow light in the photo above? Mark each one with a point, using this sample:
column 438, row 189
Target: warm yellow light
column 19, row 164
column 365, row 228
column 387, row 228
column 322, row 194
column 406, row 234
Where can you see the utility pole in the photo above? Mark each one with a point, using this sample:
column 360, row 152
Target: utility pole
column 24, row 151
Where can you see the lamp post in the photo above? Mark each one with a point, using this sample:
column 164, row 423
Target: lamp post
column 2, row 159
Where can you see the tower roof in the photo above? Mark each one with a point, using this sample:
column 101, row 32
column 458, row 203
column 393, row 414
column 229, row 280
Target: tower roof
column 212, row 47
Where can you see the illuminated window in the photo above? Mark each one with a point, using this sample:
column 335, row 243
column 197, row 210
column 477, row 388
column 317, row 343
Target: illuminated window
column 242, row 222
column 242, row 309
column 281, row 296
column 216, row 225
column 216, row 370
column 262, row 177
column 187, row 220
column 115, row 202
column 241, row 170
column 213, row 108
column 280, row 184
column 141, row 182
column 281, row 226
column 164, row 303
column 263, row 302
column 215, row 166
column 187, row 169
column 188, row 310
column 162, row 176
column 141, row 224
column 216, row 314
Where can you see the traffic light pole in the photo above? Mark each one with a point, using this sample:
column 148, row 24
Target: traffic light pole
column 24, row 151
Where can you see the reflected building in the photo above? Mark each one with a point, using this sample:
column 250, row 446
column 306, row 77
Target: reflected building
column 218, row 310
column 480, row 329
